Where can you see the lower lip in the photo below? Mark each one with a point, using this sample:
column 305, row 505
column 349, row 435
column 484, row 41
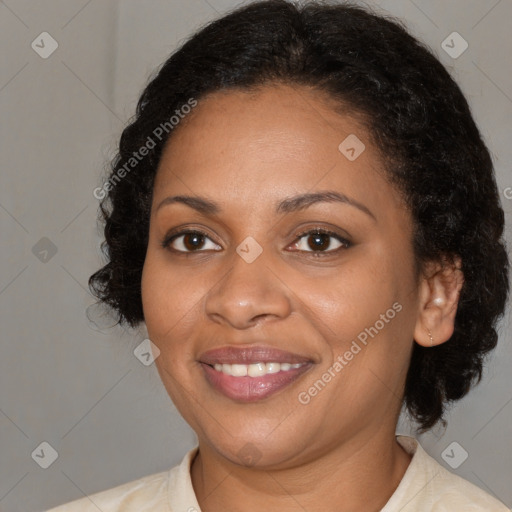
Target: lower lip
column 252, row 389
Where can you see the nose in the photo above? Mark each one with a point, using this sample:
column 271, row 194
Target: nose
column 248, row 294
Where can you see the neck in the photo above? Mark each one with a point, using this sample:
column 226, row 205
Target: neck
column 358, row 475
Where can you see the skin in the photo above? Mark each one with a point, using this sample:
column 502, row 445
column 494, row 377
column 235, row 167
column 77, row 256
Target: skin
column 247, row 152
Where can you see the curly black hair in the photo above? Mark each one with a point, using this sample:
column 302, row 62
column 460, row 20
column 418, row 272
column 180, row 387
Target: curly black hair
column 416, row 115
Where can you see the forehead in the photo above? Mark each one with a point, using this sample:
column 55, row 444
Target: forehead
column 269, row 143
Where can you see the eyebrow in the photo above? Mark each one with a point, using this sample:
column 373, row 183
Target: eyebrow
column 289, row 205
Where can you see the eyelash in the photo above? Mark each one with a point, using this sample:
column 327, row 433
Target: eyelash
column 167, row 241
column 346, row 244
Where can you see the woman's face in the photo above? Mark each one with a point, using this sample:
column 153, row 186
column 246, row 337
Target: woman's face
column 264, row 283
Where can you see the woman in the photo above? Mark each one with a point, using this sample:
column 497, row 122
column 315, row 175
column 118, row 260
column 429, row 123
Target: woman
column 305, row 217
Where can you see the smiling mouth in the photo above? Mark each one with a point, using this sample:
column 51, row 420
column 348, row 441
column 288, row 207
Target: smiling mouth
column 245, row 388
column 251, row 373
column 255, row 369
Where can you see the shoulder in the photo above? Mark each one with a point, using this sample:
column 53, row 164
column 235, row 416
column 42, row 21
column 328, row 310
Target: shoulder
column 451, row 493
column 167, row 491
column 428, row 486
column 145, row 494
column 455, row 493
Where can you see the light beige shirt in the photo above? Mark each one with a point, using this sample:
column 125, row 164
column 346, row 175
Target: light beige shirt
column 425, row 487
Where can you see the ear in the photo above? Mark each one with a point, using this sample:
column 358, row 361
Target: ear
column 439, row 292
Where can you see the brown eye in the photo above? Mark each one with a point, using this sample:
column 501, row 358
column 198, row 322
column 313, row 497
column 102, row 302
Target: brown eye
column 191, row 241
column 320, row 241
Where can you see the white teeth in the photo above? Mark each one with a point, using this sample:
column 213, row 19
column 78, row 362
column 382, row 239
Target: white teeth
column 237, row 370
column 255, row 369
column 273, row 367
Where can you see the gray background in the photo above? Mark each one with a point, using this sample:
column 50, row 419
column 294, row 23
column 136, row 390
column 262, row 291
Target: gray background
column 77, row 385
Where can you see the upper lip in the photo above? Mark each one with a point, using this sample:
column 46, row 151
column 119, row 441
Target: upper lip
column 250, row 355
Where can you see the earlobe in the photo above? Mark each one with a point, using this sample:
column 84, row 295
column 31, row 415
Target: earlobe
column 439, row 301
column 439, row 294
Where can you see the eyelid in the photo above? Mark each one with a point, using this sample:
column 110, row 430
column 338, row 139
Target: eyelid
column 171, row 236
column 346, row 243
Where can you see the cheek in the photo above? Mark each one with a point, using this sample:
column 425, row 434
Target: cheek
column 364, row 313
column 351, row 299
column 170, row 298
